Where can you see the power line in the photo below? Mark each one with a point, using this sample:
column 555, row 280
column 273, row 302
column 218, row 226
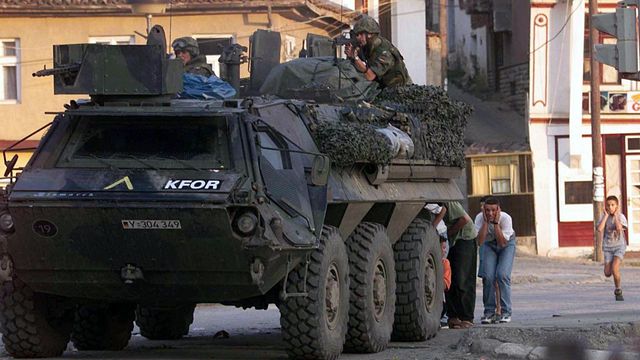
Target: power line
column 327, row 28
column 579, row 6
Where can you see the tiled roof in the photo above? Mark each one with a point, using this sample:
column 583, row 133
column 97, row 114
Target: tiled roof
column 90, row 7
column 497, row 148
column 59, row 3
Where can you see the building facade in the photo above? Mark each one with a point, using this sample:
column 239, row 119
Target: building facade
column 28, row 31
column 560, row 131
column 489, row 58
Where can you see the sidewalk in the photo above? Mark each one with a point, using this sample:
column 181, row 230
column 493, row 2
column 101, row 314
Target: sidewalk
column 560, row 304
column 597, row 334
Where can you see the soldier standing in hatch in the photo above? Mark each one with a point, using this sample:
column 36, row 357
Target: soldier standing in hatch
column 186, row 49
column 376, row 57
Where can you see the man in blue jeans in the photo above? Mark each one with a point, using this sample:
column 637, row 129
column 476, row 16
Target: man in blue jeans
column 496, row 235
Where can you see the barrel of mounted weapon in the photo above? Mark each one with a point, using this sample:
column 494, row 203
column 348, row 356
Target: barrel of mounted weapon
column 66, row 69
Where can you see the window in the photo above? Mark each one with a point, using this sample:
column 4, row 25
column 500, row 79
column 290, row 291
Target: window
column 633, row 144
column 497, row 175
column 144, row 142
column 113, row 40
column 290, row 48
column 268, row 143
column 578, row 192
column 433, row 15
column 211, row 47
column 9, row 70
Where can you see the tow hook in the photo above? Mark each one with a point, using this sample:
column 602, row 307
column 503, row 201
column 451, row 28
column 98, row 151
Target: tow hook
column 6, row 268
column 130, row 273
column 257, row 271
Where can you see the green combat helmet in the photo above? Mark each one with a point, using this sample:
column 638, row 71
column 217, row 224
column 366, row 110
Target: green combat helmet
column 186, row 43
column 366, row 24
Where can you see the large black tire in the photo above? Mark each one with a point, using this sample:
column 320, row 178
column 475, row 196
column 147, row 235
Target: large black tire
column 103, row 327
column 33, row 325
column 420, row 283
column 164, row 323
column 373, row 289
column 314, row 327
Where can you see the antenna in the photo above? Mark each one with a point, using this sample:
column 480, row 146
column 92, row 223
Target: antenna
column 335, row 52
column 170, row 20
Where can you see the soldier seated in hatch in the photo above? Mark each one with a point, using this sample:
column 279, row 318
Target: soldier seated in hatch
column 376, row 57
column 186, row 49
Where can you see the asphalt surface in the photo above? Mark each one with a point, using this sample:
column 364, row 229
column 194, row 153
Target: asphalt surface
column 551, row 298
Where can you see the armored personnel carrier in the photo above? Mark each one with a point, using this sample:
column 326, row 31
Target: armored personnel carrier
column 136, row 206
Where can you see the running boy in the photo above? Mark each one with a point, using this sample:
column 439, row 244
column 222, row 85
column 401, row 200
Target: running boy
column 612, row 226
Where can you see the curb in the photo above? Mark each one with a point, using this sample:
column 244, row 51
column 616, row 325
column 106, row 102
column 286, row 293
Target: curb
column 519, row 351
column 576, row 338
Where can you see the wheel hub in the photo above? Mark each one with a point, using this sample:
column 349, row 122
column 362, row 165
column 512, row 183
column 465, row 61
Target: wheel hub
column 430, row 284
column 379, row 290
column 332, row 295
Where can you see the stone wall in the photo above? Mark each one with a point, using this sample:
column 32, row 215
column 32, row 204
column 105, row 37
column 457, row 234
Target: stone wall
column 513, row 85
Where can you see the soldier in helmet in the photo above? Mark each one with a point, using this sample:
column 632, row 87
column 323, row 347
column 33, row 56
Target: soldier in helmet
column 376, row 56
column 186, row 49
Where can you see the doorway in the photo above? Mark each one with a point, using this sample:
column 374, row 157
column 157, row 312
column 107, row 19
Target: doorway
column 633, row 198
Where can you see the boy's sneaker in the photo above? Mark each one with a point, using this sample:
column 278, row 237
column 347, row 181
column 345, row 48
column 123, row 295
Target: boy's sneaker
column 505, row 318
column 618, row 294
column 486, row 319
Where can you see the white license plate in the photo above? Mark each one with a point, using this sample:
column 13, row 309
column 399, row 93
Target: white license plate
column 151, row 224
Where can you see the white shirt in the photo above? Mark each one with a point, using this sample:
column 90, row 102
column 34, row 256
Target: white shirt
column 441, row 228
column 505, row 223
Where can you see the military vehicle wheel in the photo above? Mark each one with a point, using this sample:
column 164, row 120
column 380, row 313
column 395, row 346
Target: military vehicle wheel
column 33, row 325
column 373, row 289
column 420, row 284
column 164, row 323
column 103, row 327
column 314, row 326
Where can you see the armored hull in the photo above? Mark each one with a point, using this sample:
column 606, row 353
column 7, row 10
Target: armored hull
column 155, row 205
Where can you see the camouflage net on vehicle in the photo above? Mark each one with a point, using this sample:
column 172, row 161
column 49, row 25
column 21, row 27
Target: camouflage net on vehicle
column 440, row 136
column 433, row 120
column 347, row 143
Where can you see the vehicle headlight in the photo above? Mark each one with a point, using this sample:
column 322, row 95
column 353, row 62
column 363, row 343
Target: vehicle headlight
column 246, row 223
column 6, row 222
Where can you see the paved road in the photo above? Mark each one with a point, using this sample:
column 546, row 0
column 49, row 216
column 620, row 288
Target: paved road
column 542, row 288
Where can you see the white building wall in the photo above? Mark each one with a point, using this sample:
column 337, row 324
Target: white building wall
column 479, row 40
column 408, row 29
column 461, row 56
column 470, row 49
column 549, row 102
column 544, row 180
column 550, row 84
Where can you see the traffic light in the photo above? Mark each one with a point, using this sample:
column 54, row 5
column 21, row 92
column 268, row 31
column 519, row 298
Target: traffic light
column 624, row 54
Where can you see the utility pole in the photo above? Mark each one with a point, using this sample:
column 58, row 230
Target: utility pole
column 596, row 138
column 444, row 50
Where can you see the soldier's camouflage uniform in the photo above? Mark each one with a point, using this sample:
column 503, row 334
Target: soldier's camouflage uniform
column 386, row 62
column 198, row 65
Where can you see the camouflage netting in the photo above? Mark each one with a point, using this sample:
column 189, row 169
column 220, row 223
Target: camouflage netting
column 347, row 143
column 435, row 123
column 443, row 120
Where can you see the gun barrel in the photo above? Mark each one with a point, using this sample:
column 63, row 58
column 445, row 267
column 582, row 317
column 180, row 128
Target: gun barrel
column 66, row 69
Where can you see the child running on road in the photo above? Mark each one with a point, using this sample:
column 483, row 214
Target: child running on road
column 612, row 225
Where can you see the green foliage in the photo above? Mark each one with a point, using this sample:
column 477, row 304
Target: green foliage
column 347, row 143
